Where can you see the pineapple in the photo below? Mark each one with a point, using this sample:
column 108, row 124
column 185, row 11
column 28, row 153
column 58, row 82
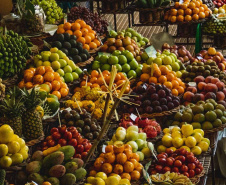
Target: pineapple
column 12, row 108
column 32, row 122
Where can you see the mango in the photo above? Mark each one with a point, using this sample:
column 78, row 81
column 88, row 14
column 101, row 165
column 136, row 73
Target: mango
column 57, row 171
column 53, row 159
column 53, row 181
column 33, row 167
column 69, row 152
column 37, row 156
column 71, row 167
column 78, row 161
column 80, row 173
column 36, row 178
column 68, row 179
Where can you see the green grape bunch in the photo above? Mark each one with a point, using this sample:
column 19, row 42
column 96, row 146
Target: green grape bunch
column 14, row 52
column 52, row 11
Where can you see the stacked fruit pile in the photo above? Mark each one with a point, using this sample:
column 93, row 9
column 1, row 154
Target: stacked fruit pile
column 56, row 166
column 121, row 43
column 207, row 88
column 187, row 11
column 60, row 63
column 186, row 137
column 52, row 11
column 205, row 115
column 180, row 51
column 160, row 100
column 181, row 161
column 14, row 52
column 215, row 26
column 13, row 150
column 85, row 125
column 118, row 159
column 124, row 62
column 162, row 75
column 133, row 34
column 84, row 33
column 73, row 49
column 219, row 3
column 131, row 137
column 148, row 126
column 92, row 19
column 152, row 4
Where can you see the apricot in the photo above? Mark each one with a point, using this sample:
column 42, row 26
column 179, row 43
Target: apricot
column 192, row 89
column 188, row 96
column 201, row 86
column 220, row 96
column 214, row 80
column 208, row 79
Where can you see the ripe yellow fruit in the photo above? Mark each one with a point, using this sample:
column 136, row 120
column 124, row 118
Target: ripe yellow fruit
column 167, row 140
column 196, row 150
column 177, row 142
column 161, row 149
column 186, row 148
column 204, row 146
column 190, row 141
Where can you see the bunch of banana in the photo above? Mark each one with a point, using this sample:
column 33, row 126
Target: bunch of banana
column 181, row 180
column 161, row 178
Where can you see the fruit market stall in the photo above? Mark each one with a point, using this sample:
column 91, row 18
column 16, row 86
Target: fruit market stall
column 97, row 106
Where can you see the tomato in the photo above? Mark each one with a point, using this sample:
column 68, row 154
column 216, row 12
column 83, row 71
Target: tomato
column 166, row 169
column 62, row 129
column 54, row 129
column 177, row 163
column 158, row 168
column 73, row 142
column 162, row 161
column 181, row 158
column 184, row 168
column 169, row 161
column 175, row 169
column 191, row 166
column 169, row 151
column 80, row 149
column 56, row 135
column 49, row 138
column 186, row 174
column 161, row 156
column 68, row 136
column 51, row 143
column 183, row 151
column 191, row 173
column 62, row 142
column 190, row 158
column 197, row 171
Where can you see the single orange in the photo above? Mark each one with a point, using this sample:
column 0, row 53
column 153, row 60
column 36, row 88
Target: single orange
column 21, row 84
column 177, row 5
column 117, row 77
column 46, row 183
column 104, row 88
column 127, row 147
column 135, row 162
column 180, row 12
column 168, row 85
column 92, row 173
column 207, row 13
column 78, row 33
column 88, row 27
column 128, row 167
column 188, row 18
column 88, row 39
column 29, row 85
column 197, row 4
column 57, row 94
column 49, row 76
column 106, row 168
column 164, row 70
column 97, row 42
column 84, row 31
column 64, row 92
column 136, row 156
column 139, row 167
column 38, row 79
column 61, row 26
column 184, row 6
column 70, row 32
column 82, row 40
column 180, row 90
column 162, row 79
column 78, row 20
column 135, row 175
column 98, row 163
column 195, row 17
column 188, row 11
column 173, row 19
column 170, row 76
column 129, row 154
column 126, row 176
column 82, row 23
column 118, row 169
column 83, row 83
column 60, row 31
column 95, row 73
column 109, row 148
column 175, row 84
column 144, row 77
column 91, row 35
column 202, row 15
column 64, row 85
column 180, row 18
column 75, row 26
column 92, row 45
column 93, row 80
column 201, row 9
column 40, row 70
column 55, row 85
column 191, row 5
column 173, row 12
column 86, row 46
column 121, row 158
column 95, row 85
column 195, row 11
column 28, row 76
column 67, row 26
column 205, row 7
column 49, row 69
column 100, row 81
column 175, row 92
column 89, row 84
column 109, row 157
column 106, row 72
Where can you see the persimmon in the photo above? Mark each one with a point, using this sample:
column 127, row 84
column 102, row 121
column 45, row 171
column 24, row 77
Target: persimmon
column 28, row 85
column 118, row 169
column 55, row 85
column 40, row 70
column 106, row 168
column 136, row 156
column 121, row 158
column 135, row 175
column 38, row 79
column 128, row 167
column 64, row 92
column 109, row 157
column 126, row 176
column 109, row 148
column 135, row 162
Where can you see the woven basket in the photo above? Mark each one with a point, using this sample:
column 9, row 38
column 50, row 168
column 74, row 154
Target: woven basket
column 93, row 51
column 196, row 179
column 35, row 141
column 85, row 63
column 165, row 113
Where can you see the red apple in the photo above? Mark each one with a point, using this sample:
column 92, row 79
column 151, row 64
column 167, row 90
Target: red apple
column 51, row 143
column 191, row 166
column 87, row 147
column 166, row 169
column 183, row 151
column 62, row 142
column 181, row 158
column 186, row 174
column 80, row 140
column 190, row 158
column 158, row 168
column 49, row 138
column 71, row 129
column 80, row 149
column 162, row 161
column 56, row 135
column 85, row 141
column 161, row 156
column 200, row 166
column 62, row 129
column 197, row 171
column 68, row 136
column 169, row 151
column 169, row 161
column 73, row 142
column 191, row 173
column 175, row 169
column 75, row 133
column 184, row 168
column 54, row 129
column 84, row 154
column 177, row 163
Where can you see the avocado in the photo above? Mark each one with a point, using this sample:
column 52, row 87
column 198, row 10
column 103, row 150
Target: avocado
column 77, row 59
column 86, row 52
column 67, row 45
column 57, row 44
column 65, row 51
column 73, row 43
column 73, row 37
column 73, row 52
column 83, row 56
column 59, row 37
column 67, row 36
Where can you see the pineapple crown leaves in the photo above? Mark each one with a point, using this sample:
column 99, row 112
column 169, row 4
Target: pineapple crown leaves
column 12, row 105
column 31, row 98
column 25, row 8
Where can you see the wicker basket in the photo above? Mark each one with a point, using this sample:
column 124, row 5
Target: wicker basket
column 196, row 179
column 85, row 63
column 35, row 141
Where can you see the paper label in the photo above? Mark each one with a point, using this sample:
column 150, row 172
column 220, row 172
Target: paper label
column 103, row 148
column 192, row 84
column 151, row 51
column 181, row 1
column 133, row 117
column 199, row 57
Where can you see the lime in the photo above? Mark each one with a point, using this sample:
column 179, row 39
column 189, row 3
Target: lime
column 217, row 123
column 223, row 119
column 54, row 57
column 55, row 65
column 46, row 63
column 122, row 59
column 116, row 53
column 75, row 76
column 221, row 107
column 78, row 71
column 208, row 107
column 138, row 71
column 133, row 64
column 118, row 67
column 95, row 65
column 5, row 161
column 178, row 116
column 68, row 77
column 132, row 74
column 72, row 65
column 196, row 125
column 197, row 109
column 126, row 68
column 67, row 69
column 103, row 59
column 16, row 158
column 219, row 113
column 187, row 117
column 199, row 118
column 210, row 116
column 61, row 72
column 45, row 55
column 61, row 54
column 144, row 55
column 3, row 150
column 113, row 60
column 106, row 67
column 175, row 123
column 129, row 56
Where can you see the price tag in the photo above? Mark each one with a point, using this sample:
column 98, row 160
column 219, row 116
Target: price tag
column 181, row 1
column 151, row 51
column 199, row 57
column 192, row 84
column 103, row 53
column 144, row 86
column 103, row 148
column 133, row 117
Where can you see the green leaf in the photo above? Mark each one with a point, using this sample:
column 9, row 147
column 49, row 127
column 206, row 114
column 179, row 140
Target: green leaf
column 30, row 6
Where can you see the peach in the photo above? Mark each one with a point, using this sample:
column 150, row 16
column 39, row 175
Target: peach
column 224, row 91
column 211, row 88
column 201, row 86
column 208, row 79
column 221, row 66
column 192, row 89
column 188, row 96
column 220, row 55
column 217, row 59
column 222, row 102
column 199, row 79
column 198, row 97
column 214, row 80
column 203, row 52
column 220, row 95
column 210, row 95
column 220, row 85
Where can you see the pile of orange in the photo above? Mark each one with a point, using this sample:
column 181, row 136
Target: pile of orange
column 84, row 33
column 44, row 75
column 162, row 75
column 188, row 11
column 118, row 159
column 95, row 80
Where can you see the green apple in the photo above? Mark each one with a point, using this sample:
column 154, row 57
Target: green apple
column 133, row 128
column 113, row 60
column 132, row 74
column 55, row 65
column 116, row 53
column 103, row 59
column 72, row 64
column 120, row 128
column 142, row 43
column 158, row 54
column 96, row 65
column 126, row 68
column 141, row 155
column 46, row 63
column 122, row 59
column 118, row 67
column 75, row 76
column 175, row 66
column 144, row 56
column 68, row 77
column 138, row 71
column 167, row 60
column 134, row 146
column 173, row 59
column 131, row 135
column 134, row 38
column 61, row 72
column 113, row 33
column 62, row 62
column 140, row 144
column 166, row 52
column 106, row 67
column 142, row 136
column 128, row 34
column 175, row 56
column 133, row 64
column 129, row 56
column 120, row 135
column 158, row 61
column 45, row 55
column 78, row 70
column 67, row 69
column 61, row 54
column 150, row 60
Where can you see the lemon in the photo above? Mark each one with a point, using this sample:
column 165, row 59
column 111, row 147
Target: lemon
column 176, row 134
column 6, row 134
column 196, row 150
column 124, row 182
column 21, row 142
column 206, row 140
column 166, row 130
column 186, row 148
column 91, row 180
column 204, row 146
column 99, row 181
column 15, row 137
column 199, row 131
column 190, row 141
column 173, row 148
column 112, row 180
column 17, row 158
column 167, row 141
column 197, row 136
column 25, row 148
column 116, row 175
column 102, row 175
column 3, row 150
column 24, row 154
column 177, row 142
column 175, row 129
column 5, row 161
column 13, row 147
column 161, row 149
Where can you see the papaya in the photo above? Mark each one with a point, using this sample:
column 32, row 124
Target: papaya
column 80, row 173
column 33, row 167
column 37, row 156
column 53, row 181
column 57, row 171
column 69, row 152
column 78, row 161
column 71, row 167
column 53, row 159
column 68, row 179
column 36, row 178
